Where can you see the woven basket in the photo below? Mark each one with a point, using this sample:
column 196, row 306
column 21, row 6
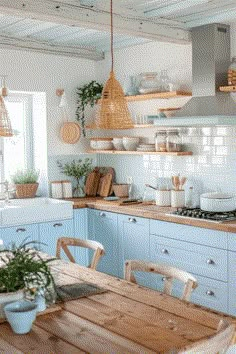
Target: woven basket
column 26, row 190
column 231, row 77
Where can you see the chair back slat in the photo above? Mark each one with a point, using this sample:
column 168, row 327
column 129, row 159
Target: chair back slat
column 169, row 273
column 64, row 242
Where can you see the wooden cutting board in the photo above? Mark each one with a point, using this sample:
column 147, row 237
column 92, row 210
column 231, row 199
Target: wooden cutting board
column 105, row 182
column 92, row 183
column 105, row 185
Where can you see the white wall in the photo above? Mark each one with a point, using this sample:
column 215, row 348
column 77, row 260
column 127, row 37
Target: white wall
column 37, row 72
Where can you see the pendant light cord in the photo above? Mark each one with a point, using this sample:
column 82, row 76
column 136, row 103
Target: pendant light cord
column 112, row 55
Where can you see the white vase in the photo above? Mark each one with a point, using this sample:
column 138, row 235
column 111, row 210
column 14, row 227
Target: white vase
column 5, row 298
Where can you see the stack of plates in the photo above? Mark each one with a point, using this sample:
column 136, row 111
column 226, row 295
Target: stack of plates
column 146, row 147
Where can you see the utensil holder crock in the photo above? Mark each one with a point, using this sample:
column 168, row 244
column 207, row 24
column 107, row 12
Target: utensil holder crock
column 177, row 198
column 163, row 197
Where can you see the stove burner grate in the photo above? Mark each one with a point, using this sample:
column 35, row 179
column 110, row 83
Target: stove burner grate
column 205, row 215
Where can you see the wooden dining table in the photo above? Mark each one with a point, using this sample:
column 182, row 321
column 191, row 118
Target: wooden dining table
column 123, row 318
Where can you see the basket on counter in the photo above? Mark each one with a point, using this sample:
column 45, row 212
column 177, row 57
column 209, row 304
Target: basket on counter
column 27, row 190
column 121, row 190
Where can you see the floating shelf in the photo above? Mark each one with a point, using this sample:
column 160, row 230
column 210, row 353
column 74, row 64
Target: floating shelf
column 125, row 152
column 135, row 126
column 157, row 95
column 227, row 88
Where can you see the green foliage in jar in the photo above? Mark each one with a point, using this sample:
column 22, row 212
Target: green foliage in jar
column 25, row 176
column 23, row 268
column 87, row 95
column 76, row 169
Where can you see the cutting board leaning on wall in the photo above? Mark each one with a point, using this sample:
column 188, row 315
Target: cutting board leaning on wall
column 99, row 182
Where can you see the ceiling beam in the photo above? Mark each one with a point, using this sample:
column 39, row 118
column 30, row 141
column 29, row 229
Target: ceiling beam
column 47, row 48
column 77, row 15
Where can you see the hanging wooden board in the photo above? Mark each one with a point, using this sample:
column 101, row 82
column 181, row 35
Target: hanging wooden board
column 70, row 132
column 92, row 183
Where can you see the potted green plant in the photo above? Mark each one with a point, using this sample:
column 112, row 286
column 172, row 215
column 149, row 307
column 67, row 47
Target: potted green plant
column 87, row 95
column 78, row 170
column 23, row 269
column 26, row 183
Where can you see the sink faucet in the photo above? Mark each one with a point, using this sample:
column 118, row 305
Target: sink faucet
column 6, row 191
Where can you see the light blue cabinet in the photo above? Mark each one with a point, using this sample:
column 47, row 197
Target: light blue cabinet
column 20, row 234
column 102, row 227
column 232, row 283
column 134, row 244
column 50, row 232
column 81, row 231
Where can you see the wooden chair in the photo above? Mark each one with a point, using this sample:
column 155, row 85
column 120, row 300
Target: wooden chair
column 169, row 273
column 217, row 343
column 64, row 242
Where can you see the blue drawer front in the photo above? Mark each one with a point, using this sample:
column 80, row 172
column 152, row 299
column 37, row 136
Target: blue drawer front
column 232, row 241
column 198, row 259
column 191, row 234
column 17, row 234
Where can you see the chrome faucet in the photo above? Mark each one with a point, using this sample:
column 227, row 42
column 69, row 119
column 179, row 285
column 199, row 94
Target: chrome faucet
column 6, row 191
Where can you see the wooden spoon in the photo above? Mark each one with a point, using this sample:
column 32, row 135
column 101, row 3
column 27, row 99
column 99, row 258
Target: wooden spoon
column 182, row 182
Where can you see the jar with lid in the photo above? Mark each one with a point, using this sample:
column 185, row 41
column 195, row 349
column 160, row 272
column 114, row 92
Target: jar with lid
column 173, row 141
column 161, row 141
column 148, row 83
column 232, row 72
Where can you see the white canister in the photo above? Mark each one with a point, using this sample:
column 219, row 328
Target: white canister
column 177, row 198
column 56, row 189
column 66, row 189
column 163, row 197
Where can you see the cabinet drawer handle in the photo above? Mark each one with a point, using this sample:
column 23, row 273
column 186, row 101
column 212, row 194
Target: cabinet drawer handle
column 210, row 293
column 58, row 224
column 132, row 220
column 165, row 251
column 102, row 215
column 21, row 229
column 163, row 278
column 210, row 261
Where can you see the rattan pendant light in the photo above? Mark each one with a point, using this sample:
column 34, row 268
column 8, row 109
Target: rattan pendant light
column 5, row 123
column 114, row 113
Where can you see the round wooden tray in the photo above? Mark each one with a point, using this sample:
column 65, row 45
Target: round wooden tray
column 70, row 132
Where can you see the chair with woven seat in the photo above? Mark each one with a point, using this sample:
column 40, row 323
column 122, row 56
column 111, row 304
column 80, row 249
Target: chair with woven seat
column 64, row 242
column 217, row 343
column 169, row 274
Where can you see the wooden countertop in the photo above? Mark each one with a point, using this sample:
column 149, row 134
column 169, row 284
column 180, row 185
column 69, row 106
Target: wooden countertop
column 150, row 211
column 125, row 318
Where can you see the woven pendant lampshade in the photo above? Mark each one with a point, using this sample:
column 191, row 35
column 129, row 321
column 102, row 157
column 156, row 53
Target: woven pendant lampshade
column 114, row 113
column 5, row 123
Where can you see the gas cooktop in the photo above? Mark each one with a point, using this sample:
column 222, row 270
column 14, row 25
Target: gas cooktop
column 199, row 214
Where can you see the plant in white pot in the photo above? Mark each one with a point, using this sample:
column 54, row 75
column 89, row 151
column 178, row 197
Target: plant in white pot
column 26, row 183
column 22, row 270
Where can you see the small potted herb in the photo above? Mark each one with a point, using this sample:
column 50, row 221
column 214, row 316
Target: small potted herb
column 78, row 170
column 26, row 183
column 22, row 269
column 87, row 95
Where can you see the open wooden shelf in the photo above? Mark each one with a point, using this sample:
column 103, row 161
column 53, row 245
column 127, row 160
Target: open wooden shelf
column 125, row 152
column 135, row 126
column 227, row 88
column 157, row 95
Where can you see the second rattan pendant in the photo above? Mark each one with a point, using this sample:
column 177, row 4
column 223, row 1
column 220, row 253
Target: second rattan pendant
column 5, row 124
column 114, row 113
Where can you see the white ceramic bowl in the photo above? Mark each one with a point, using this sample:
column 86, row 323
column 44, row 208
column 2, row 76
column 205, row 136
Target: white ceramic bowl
column 133, row 139
column 130, row 146
column 118, row 146
column 101, row 144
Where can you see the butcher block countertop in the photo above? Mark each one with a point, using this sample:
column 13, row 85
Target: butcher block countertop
column 150, row 211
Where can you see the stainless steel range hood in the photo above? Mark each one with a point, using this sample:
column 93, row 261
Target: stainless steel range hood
column 211, row 59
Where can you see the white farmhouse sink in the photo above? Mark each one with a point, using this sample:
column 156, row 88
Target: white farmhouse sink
column 34, row 210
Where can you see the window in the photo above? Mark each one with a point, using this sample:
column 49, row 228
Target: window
column 17, row 151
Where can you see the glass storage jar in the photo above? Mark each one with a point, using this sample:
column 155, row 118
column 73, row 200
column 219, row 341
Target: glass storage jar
column 173, row 141
column 161, row 141
column 232, row 72
column 148, row 83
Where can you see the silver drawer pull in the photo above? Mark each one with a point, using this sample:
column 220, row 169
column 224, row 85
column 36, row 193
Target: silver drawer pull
column 21, row 229
column 163, row 278
column 164, row 251
column 102, row 215
column 210, row 261
column 210, row 293
column 132, row 220
column 58, row 224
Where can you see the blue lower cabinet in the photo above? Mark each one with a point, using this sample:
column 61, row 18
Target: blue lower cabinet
column 134, row 244
column 20, row 234
column 81, row 231
column 50, row 232
column 102, row 227
column 232, row 283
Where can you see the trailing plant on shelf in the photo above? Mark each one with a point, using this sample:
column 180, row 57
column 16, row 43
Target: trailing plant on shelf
column 79, row 170
column 87, row 95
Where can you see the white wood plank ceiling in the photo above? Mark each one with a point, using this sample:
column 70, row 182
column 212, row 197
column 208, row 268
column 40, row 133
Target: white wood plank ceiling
column 81, row 27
